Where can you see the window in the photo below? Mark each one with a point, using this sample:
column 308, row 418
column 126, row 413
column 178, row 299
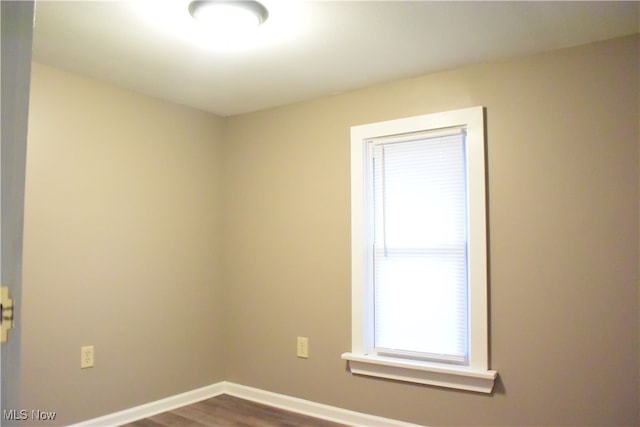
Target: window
column 419, row 264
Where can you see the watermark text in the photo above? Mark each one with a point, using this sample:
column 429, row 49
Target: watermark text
column 24, row 414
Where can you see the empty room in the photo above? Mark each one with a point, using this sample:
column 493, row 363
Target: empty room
column 372, row 213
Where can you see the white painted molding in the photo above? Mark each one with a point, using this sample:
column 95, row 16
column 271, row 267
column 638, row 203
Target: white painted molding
column 288, row 403
column 452, row 376
column 154, row 408
column 313, row 409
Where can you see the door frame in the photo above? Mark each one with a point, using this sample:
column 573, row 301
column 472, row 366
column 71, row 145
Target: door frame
column 16, row 41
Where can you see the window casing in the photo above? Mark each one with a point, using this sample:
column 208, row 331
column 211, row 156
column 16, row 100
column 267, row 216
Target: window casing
column 419, row 264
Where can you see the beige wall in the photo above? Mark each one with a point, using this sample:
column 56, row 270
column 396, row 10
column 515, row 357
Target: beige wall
column 563, row 213
column 121, row 248
column 125, row 194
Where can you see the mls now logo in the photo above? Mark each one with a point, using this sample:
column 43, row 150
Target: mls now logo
column 23, row 414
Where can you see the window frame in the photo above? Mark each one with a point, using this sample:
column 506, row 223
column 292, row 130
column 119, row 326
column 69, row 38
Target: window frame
column 476, row 376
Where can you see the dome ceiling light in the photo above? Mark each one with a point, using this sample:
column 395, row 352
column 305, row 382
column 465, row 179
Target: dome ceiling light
column 228, row 19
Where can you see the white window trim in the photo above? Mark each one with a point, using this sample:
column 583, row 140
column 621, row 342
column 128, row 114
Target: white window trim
column 476, row 376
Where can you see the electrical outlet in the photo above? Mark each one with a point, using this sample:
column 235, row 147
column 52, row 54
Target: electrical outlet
column 303, row 347
column 86, row 357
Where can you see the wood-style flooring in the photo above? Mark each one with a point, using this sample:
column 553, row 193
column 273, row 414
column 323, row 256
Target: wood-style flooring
column 225, row 410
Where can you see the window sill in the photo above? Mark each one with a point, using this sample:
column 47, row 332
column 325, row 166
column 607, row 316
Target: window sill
column 458, row 377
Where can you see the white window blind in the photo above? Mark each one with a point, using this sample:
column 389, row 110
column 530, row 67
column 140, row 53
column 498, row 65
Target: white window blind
column 418, row 197
column 418, row 256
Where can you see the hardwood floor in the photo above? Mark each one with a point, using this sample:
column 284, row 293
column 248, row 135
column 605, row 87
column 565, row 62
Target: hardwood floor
column 225, row 410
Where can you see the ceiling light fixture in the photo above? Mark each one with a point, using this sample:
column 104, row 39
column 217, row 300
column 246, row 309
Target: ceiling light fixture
column 228, row 18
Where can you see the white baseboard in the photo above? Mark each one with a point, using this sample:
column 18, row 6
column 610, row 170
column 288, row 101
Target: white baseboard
column 307, row 407
column 289, row 403
column 154, row 408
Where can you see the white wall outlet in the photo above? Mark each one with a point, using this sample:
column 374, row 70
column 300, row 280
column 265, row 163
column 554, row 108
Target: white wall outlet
column 86, row 357
column 303, row 347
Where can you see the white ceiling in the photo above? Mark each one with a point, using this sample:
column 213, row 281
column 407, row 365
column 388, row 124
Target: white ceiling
column 306, row 49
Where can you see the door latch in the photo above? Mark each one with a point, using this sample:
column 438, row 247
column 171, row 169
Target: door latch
column 6, row 306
